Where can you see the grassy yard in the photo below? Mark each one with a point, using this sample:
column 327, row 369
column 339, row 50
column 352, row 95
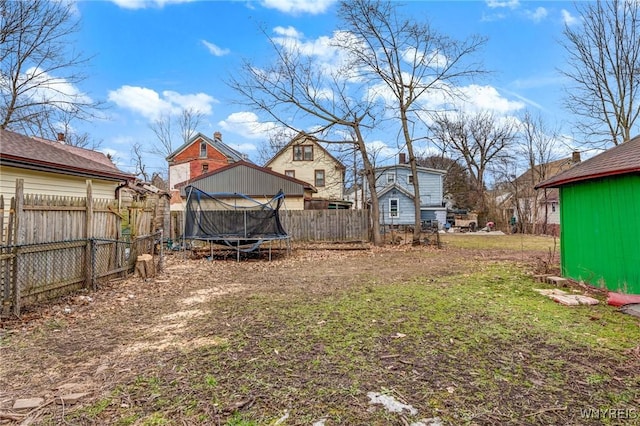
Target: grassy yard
column 454, row 336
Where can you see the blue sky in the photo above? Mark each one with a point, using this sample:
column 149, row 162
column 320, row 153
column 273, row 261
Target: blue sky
column 159, row 56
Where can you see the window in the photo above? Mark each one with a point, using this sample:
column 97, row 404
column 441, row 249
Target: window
column 205, row 168
column 394, row 207
column 203, row 149
column 303, row 153
column 290, row 173
column 319, row 178
column 410, row 179
column 391, row 177
column 553, row 207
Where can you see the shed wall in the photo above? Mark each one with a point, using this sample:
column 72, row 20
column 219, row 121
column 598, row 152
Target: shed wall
column 600, row 232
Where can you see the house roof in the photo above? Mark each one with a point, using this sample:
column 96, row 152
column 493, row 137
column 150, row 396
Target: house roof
column 296, row 139
column 40, row 154
column 397, row 187
column 408, row 166
column 252, row 186
column 619, row 160
column 215, row 143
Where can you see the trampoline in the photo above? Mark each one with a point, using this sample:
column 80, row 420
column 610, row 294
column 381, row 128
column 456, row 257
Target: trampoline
column 243, row 225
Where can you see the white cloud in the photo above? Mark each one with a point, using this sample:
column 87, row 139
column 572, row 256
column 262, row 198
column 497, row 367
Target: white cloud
column 567, row 18
column 289, row 32
column 433, row 59
column 214, row 49
column 143, row 4
column 537, row 15
column 151, row 105
column 50, row 89
column 313, row 7
column 248, row 125
column 487, row 98
column 511, row 4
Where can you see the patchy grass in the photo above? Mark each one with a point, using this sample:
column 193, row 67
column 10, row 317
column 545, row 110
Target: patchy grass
column 457, row 334
column 515, row 242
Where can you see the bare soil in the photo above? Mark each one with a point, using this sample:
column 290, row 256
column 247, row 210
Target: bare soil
column 97, row 342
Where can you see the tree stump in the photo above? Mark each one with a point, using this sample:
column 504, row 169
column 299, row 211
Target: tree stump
column 145, row 266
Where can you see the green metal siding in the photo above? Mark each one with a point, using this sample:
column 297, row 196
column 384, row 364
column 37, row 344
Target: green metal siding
column 600, row 232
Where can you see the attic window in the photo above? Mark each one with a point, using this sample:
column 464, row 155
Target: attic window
column 391, row 177
column 303, row 153
column 205, row 168
column 203, row 149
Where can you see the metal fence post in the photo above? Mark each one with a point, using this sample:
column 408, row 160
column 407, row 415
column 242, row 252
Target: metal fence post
column 161, row 262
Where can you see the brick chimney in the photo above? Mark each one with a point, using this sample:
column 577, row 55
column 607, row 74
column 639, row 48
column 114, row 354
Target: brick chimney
column 61, row 137
column 402, row 158
column 217, row 136
column 575, row 157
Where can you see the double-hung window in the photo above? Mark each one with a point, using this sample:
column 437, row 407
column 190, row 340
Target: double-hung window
column 391, row 177
column 303, row 153
column 394, row 207
column 319, row 178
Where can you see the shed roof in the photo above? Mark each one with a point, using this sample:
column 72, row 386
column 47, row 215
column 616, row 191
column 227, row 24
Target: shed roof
column 619, row 160
column 248, row 179
column 40, row 154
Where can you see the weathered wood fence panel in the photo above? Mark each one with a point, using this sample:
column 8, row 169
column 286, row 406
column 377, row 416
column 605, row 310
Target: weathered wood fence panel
column 326, row 225
column 54, row 245
column 309, row 225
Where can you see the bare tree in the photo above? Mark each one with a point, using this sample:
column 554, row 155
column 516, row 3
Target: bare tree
column 39, row 70
column 604, row 68
column 410, row 60
column 295, row 89
column 476, row 140
column 538, row 143
column 137, row 154
column 169, row 129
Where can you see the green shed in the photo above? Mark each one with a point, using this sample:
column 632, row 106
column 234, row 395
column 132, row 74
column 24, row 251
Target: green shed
column 600, row 219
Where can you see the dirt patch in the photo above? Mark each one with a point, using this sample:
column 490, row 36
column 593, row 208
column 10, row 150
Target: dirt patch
column 131, row 333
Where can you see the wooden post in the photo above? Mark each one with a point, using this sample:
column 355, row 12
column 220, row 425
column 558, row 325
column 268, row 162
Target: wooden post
column 145, row 267
column 19, row 239
column 89, row 282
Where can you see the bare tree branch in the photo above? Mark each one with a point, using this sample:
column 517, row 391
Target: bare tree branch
column 39, row 69
column 604, row 69
column 409, row 59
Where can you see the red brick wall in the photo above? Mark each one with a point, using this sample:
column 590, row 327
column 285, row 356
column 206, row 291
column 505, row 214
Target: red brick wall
column 191, row 155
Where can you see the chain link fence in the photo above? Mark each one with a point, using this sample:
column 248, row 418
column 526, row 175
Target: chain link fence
column 34, row 273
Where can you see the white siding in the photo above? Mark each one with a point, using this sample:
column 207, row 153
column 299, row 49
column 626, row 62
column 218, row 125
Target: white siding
column 46, row 183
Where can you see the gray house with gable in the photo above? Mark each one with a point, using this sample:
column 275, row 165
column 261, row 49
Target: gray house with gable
column 394, row 186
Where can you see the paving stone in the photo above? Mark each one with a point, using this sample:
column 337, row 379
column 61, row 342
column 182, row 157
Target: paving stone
column 27, row 403
column 565, row 299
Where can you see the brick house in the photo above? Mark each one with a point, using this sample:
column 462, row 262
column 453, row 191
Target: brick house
column 199, row 155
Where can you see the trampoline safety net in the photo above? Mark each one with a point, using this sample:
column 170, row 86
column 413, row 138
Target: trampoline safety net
column 242, row 222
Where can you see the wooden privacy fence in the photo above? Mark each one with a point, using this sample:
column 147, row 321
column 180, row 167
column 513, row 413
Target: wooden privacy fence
column 51, row 246
column 309, row 225
column 326, row 225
